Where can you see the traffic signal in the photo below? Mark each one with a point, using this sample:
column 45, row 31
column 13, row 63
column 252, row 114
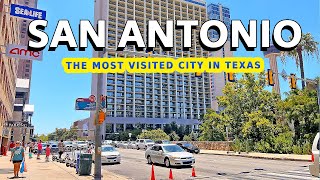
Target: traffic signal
column 270, row 77
column 102, row 117
column 230, row 77
column 293, row 81
column 198, row 74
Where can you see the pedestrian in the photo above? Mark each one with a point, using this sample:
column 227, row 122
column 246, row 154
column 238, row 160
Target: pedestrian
column 17, row 156
column 12, row 145
column 39, row 149
column 30, row 149
column 48, row 151
column 61, row 148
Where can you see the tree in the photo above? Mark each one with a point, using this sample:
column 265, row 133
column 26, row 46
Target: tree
column 301, row 112
column 157, row 134
column 187, row 138
column 174, row 136
column 307, row 47
column 43, row 137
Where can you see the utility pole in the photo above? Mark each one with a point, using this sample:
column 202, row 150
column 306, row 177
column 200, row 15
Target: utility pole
column 98, row 7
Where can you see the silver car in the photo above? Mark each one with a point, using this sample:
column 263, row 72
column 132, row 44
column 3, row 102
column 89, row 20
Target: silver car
column 144, row 143
column 314, row 167
column 169, row 155
column 108, row 155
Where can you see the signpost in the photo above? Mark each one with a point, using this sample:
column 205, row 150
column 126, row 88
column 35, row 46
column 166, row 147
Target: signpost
column 22, row 52
column 89, row 104
column 20, row 124
column 27, row 12
column 86, row 104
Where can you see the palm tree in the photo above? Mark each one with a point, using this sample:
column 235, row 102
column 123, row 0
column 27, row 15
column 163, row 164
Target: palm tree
column 307, row 47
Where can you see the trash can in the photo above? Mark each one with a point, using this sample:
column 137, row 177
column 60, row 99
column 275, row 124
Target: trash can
column 85, row 164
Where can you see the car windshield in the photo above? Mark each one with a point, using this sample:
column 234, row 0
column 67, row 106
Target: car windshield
column 81, row 142
column 67, row 142
column 187, row 145
column 53, row 145
column 173, row 148
column 108, row 149
column 149, row 141
column 166, row 142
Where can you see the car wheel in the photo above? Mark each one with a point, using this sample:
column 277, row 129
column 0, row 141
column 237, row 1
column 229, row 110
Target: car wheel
column 197, row 152
column 167, row 162
column 138, row 148
column 149, row 160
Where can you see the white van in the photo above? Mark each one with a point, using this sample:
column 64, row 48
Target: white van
column 314, row 167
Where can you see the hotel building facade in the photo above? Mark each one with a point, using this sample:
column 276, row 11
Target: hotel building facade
column 153, row 100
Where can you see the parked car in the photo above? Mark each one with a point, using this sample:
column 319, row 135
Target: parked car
column 123, row 144
column 314, row 167
column 80, row 145
column 67, row 145
column 189, row 147
column 132, row 145
column 162, row 142
column 144, row 143
column 169, row 155
column 109, row 155
column 107, row 142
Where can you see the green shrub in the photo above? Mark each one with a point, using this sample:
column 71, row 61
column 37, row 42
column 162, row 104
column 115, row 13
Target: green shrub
column 306, row 148
column 187, row 138
column 297, row 149
column 283, row 143
column 263, row 146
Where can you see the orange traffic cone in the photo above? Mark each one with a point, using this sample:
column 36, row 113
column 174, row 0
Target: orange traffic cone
column 193, row 172
column 170, row 175
column 152, row 174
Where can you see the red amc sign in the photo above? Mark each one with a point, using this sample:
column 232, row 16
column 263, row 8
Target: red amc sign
column 22, row 52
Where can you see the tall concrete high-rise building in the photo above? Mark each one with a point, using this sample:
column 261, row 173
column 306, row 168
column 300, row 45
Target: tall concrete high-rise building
column 222, row 13
column 10, row 34
column 153, row 100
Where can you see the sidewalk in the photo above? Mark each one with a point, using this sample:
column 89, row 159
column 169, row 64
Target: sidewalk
column 39, row 170
column 290, row 157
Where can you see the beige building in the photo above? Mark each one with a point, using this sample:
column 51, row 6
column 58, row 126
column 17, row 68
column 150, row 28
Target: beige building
column 83, row 130
column 23, row 111
column 10, row 34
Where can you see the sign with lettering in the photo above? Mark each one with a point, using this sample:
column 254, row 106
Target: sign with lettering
column 89, row 104
column 22, row 52
column 16, row 124
column 27, row 12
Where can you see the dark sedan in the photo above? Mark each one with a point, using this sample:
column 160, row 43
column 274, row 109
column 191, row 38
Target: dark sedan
column 189, row 147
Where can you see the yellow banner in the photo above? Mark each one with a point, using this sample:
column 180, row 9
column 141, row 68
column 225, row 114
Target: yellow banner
column 164, row 65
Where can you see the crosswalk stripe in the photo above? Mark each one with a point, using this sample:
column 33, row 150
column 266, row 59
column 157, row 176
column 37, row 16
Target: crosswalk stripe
column 289, row 176
column 300, row 172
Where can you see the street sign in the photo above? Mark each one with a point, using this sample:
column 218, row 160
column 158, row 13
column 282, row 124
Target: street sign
column 130, row 134
column 22, row 52
column 11, row 124
column 27, row 12
column 86, row 104
column 89, row 104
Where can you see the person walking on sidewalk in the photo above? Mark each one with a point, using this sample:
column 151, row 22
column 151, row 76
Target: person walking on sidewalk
column 17, row 156
column 30, row 149
column 61, row 148
column 12, row 145
column 39, row 149
column 48, row 151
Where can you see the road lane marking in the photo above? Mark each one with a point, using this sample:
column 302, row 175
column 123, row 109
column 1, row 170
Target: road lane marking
column 289, row 176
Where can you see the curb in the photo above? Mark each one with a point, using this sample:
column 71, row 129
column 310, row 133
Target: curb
column 258, row 157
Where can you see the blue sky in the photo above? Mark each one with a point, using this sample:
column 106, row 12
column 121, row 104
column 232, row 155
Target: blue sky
column 53, row 92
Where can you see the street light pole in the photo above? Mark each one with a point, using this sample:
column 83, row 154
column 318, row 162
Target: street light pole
column 98, row 7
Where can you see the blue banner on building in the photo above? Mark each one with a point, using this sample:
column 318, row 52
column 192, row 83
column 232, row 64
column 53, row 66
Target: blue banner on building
column 27, row 12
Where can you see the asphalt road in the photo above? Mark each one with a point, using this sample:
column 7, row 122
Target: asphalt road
column 134, row 165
